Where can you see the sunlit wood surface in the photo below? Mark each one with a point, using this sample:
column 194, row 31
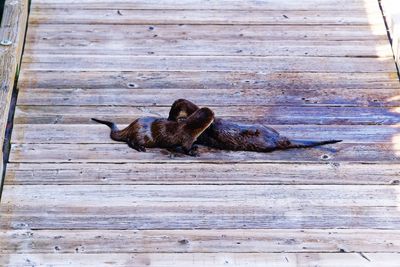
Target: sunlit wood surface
column 313, row 69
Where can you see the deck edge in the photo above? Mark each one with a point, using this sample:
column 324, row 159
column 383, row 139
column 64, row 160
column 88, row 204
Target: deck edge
column 12, row 36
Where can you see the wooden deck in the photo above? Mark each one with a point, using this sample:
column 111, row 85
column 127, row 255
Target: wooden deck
column 313, row 69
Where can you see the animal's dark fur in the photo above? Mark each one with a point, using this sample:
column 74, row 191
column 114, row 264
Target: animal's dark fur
column 149, row 132
column 224, row 134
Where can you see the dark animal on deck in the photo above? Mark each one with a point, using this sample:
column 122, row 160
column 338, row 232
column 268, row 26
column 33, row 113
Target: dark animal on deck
column 224, row 134
column 150, row 132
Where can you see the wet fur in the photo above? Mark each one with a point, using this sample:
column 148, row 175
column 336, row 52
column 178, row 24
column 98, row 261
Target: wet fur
column 224, row 134
column 150, row 132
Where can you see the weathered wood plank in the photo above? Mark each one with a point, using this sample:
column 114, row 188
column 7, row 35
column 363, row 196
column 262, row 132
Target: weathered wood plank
column 199, row 206
column 175, row 173
column 180, row 47
column 206, row 259
column 164, row 195
column 12, row 34
column 199, row 241
column 248, row 114
column 120, row 153
column 221, row 97
column 53, row 33
column 206, row 80
column 206, row 63
column 96, row 133
column 257, row 17
column 213, row 4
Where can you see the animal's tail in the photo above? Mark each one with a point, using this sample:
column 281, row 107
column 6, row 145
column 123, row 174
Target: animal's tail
column 115, row 134
column 307, row 143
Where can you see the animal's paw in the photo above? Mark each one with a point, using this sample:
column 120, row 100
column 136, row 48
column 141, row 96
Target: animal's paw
column 141, row 149
column 191, row 152
column 194, row 151
column 138, row 148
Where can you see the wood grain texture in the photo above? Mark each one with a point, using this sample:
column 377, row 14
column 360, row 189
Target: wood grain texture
column 12, row 30
column 53, row 33
column 209, row 40
column 206, row 63
column 248, row 17
column 246, row 114
column 229, row 97
column 67, row 79
column 206, row 259
column 117, row 153
column 199, row 241
column 216, row 48
column 199, row 207
column 211, row 4
column 202, row 173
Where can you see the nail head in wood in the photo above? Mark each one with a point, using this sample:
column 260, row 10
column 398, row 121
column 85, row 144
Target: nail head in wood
column 6, row 42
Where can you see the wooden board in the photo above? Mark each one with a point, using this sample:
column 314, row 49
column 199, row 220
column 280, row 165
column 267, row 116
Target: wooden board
column 216, row 48
column 247, row 114
column 199, row 241
column 211, row 4
column 202, row 173
column 206, row 63
column 199, row 207
column 256, row 17
column 208, row 40
column 206, row 259
column 66, row 33
column 355, row 152
column 68, row 79
column 231, row 97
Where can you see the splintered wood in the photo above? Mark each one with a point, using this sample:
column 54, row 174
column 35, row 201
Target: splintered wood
column 312, row 69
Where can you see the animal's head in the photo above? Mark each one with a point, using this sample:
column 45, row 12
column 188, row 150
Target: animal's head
column 181, row 109
column 199, row 121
